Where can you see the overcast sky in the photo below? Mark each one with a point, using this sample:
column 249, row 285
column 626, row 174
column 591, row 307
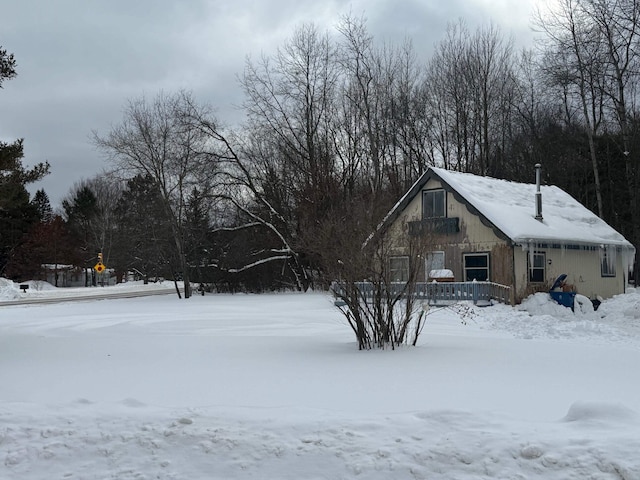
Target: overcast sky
column 79, row 61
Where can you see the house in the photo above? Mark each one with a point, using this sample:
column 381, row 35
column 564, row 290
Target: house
column 72, row 276
column 520, row 235
column 60, row 275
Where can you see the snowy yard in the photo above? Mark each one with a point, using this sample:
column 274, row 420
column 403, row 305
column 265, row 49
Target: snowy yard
column 273, row 387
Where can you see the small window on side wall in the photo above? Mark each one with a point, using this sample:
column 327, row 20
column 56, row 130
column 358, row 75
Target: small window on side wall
column 537, row 265
column 433, row 204
column 399, row 269
column 608, row 261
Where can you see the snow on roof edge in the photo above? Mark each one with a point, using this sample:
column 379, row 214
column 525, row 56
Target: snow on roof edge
column 511, row 210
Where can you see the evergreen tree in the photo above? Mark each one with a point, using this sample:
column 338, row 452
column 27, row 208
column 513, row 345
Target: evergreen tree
column 80, row 212
column 197, row 231
column 43, row 206
column 144, row 239
column 7, row 66
column 47, row 243
column 17, row 215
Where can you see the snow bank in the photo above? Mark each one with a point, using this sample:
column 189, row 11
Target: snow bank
column 542, row 304
column 8, row 290
column 540, row 317
column 140, row 442
column 40, row 289
column 607, row 413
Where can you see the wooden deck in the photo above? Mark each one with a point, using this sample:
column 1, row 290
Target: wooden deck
column 440, row 293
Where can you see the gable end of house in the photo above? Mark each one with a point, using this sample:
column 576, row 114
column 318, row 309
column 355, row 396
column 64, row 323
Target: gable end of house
column 418, row 187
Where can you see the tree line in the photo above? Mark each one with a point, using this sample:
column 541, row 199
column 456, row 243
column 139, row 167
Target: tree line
column 337, row 128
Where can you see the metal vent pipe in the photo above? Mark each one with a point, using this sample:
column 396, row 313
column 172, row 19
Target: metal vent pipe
column 538, row 193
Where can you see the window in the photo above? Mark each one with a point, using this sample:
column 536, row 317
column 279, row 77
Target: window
column 536, row 263
column 399, row 269
column 608, row 261
column 434, row 261
column 433, row 204
column 476, row 267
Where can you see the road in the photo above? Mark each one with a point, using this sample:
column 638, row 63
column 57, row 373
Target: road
column 98, row 295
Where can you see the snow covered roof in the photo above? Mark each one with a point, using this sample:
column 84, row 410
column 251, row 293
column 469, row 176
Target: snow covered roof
column 510, row 207
column 57, row 266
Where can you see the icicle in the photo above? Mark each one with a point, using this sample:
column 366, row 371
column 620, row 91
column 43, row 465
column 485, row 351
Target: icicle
column 612, row 257
column 628, row 257
column 531, row 257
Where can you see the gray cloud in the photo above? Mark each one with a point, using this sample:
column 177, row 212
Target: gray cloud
column 80, row 61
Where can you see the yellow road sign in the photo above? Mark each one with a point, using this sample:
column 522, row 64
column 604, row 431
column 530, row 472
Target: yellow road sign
column 99, row 267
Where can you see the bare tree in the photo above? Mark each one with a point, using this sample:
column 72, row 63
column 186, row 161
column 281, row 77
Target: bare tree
column 412, row 120
column 618, row 23
column 447, row 100
column 363, row 69
column 381, row 308
column 492, row 78
column 383, row 123
column 89, row 208
column 471, row 86
column 248, row 206
column 290, row 98
column 575, row 61
column 158, row 139
column 287, row 162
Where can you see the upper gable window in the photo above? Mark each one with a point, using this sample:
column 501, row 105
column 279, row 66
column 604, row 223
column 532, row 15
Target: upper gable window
column 433, row 204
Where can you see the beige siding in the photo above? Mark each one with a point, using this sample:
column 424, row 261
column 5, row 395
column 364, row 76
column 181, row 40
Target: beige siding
column 507, row 264
column 473, row 237
column 581, row 266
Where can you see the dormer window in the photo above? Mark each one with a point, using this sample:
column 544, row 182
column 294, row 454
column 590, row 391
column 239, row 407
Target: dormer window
column 434, row 204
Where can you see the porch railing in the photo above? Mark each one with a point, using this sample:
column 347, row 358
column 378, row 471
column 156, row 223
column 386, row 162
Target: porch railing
column 439, row 292
column 438, row 225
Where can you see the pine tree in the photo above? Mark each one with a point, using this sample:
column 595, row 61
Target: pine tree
column 144, row 239
column 43, row 206
column 47, row 243
column 7, row 66
column 17, row 214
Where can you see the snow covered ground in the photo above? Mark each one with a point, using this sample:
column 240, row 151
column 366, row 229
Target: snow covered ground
column 273, row 387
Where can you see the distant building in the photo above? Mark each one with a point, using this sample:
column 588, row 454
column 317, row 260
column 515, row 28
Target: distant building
column 60, row 275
